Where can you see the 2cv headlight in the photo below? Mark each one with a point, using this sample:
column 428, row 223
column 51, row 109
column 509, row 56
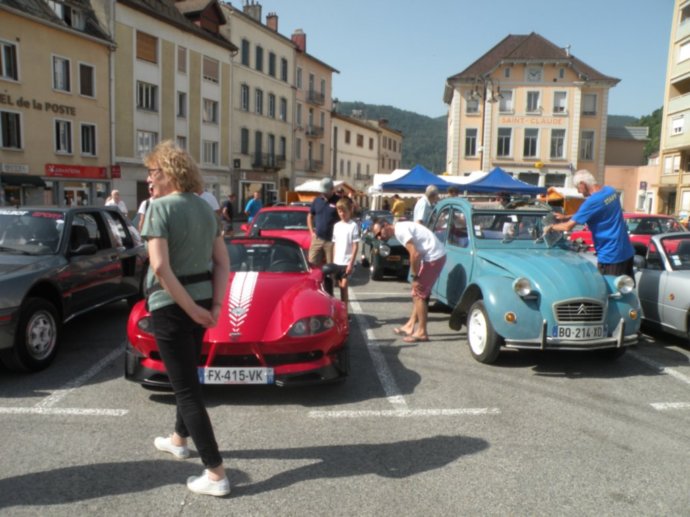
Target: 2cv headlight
column 522, row 286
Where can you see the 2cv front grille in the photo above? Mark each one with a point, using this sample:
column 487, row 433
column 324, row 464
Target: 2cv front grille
column 579, row 312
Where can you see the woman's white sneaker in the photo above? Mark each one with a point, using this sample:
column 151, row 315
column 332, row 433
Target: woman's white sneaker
column 181, row 452
column 203, row 485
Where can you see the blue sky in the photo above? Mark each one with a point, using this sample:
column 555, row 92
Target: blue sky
column 400, row 52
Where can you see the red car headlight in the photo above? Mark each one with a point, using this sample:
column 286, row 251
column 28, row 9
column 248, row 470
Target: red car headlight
column 145, row 324
column 310, row 326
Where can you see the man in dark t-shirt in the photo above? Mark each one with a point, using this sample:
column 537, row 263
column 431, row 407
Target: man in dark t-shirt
column 321, row 220
column 227, row 213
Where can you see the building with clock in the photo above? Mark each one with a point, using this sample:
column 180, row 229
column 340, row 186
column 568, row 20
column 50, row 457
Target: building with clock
column 531, row 108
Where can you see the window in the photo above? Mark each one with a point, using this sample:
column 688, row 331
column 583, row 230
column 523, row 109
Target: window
column 283, row 109
column 298, row 79
column 61, row 74
column 147, row 96
column 677, row 125
column 472, row 105
column 244, row 97
column 506, row 104
column 244, row 140
column 360, row 140
column 589, row 104
column 283, row 69
column 271, row 105
column 271, row 64
column 557, row 143
column 87, row 87
column 371, row 144
column 587, row 145
column 210, row 152
column 182, row 60
column 259, row 61
column 182, row 142
column 88, row 139
column 8, row 61
column 298, row 115
column 210, row 115
column 560, row 102
column 347, row 136
column 561, row 73
column 181, row 104
column 147, row 47
column 211, row 69
column 530, row 147
column 506, row 73
column 63, row 136
column 298, row 149
column 71, row 16
column 504, row 135
column 533, row 102
column 245, row 52
column 471, row 141
column 684, row 14
column 10, row 130
column 259, row 102
column 146, row 141
column 323, row 86
column 282, row 149
column 684, row 52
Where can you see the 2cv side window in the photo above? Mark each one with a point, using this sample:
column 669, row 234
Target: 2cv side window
column 440, row 225
column 458, row 230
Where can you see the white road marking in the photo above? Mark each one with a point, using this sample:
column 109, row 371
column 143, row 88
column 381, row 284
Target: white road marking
column 390, row 387
column 61, row 411
column 72, row 385
column 404, row 413
column 664, row 406
column 660, row 367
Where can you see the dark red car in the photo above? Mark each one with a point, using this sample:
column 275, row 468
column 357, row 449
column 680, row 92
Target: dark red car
column 288, row 222
column 641, row 227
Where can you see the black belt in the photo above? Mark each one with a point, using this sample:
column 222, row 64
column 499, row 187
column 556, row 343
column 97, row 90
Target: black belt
column 184, row 280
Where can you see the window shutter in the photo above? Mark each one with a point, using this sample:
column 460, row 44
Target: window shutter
column 147, row 47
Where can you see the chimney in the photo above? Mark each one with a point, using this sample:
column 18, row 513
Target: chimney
column 383, row 122
column 299, row 38
column 272, row 21
column 252, row 8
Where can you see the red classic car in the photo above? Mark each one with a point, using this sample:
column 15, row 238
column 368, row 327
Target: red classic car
column 641, row 227
column 277, row 326
column 289, row 222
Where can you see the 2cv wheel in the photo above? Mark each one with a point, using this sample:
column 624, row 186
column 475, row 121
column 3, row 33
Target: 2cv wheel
column 484, row 343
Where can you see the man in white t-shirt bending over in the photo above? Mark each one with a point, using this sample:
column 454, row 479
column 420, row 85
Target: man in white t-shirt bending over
column 427, row 257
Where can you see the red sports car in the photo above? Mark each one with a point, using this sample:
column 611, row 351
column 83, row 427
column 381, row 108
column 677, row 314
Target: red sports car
column 289, row 222
column 641, row 227
column 277, row 326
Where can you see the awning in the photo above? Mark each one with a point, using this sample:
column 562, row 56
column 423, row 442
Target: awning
column 21, row 180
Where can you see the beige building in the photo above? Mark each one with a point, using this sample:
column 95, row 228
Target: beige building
column 531, row 108
column 54, row 104
column 390, row 147
column 171, row 80
column 356, row 150
column 674, row 176
column 313, row 106
column 262, row 104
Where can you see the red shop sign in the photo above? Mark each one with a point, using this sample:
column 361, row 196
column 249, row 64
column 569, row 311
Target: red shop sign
column 75, row 171
column 115, row 171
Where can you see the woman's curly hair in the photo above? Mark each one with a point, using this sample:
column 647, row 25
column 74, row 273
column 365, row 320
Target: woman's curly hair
column 177, row 165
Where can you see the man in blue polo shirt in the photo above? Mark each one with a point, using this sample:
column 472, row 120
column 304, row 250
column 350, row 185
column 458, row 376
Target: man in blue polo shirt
column 321, row 219
column 603, row 215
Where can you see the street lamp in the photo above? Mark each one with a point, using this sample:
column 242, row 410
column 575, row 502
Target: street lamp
column 485, row 89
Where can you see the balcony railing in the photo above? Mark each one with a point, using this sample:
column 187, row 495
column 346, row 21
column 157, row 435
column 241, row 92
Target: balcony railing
column 314, row 165
column 315, row 97
column 312, row 130
column 264, row 161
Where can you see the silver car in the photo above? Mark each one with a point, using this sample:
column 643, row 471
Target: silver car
column 663, row 282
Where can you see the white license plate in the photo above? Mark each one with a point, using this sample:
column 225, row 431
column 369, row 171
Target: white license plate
column 229, row 375
column 578, row 332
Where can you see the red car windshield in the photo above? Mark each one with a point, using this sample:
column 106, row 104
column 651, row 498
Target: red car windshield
column 264, row 255
column 282, row 220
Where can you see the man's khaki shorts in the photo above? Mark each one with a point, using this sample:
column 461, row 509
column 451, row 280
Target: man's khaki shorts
column 320, row 251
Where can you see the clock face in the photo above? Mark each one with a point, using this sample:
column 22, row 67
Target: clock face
column 534, row 74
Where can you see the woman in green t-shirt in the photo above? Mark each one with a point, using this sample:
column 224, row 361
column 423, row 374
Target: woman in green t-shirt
column 184, row 237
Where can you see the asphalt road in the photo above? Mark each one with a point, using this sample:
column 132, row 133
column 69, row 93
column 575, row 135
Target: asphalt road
column 416, row 430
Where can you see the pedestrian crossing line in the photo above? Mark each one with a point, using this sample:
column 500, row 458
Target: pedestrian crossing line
column 61, row 411
column 665, row 406
column 661, row 368
column 404, row 413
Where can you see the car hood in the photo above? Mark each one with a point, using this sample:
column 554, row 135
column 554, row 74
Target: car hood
column 551, row 271
column 15, row 263
column 261, row 307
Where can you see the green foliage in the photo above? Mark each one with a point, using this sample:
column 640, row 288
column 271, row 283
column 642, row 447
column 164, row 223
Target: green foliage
column 424, row 138
column 653, row 122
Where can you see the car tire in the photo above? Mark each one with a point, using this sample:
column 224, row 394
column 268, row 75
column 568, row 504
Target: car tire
column 482, row 339
column 376, row 272
column 37, row 338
